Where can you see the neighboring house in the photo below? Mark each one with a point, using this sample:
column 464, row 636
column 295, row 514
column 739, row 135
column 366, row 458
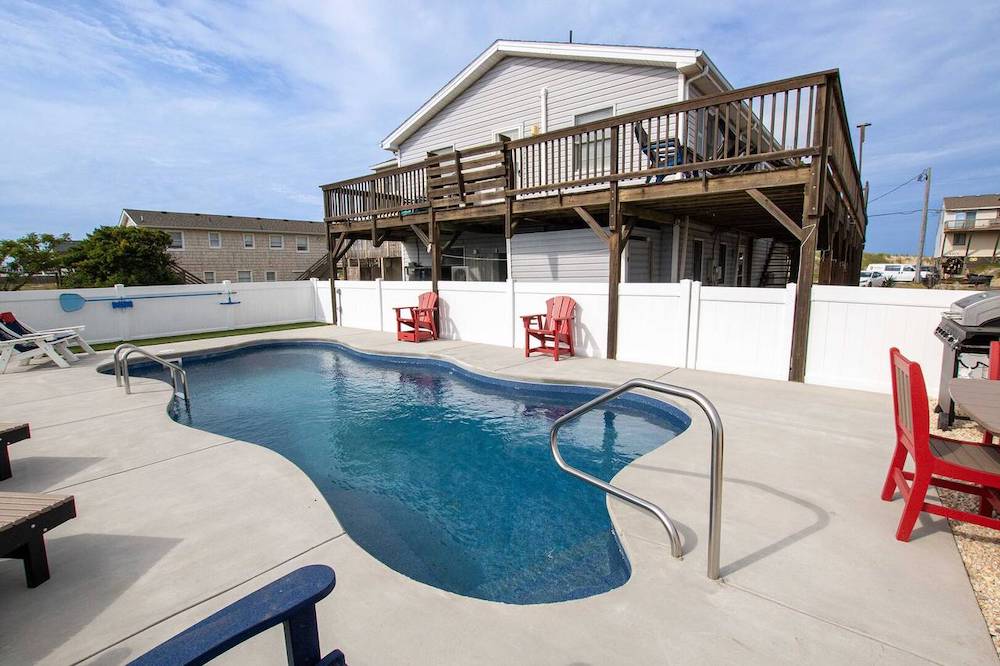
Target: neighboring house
column 520, row 89
column 970, row 228
column 213, row 248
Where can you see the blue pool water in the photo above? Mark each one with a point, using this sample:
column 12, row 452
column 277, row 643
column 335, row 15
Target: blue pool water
column 443, row 475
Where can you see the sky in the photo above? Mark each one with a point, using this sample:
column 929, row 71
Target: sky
column 246, row 108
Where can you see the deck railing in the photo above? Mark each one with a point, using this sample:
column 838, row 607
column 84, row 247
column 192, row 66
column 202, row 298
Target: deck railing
column 763, row 127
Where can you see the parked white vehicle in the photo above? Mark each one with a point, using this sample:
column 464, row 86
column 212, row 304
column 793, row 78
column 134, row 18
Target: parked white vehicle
column 871, row 279
column 898, row 272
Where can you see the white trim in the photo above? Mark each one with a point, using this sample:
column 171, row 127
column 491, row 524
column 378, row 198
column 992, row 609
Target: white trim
column 253, row 240
column 244, row 281
column 297, row 243
column 271, row 237
column 205, row 277
column 214, row 247
column 172, row 232
column 681, row 59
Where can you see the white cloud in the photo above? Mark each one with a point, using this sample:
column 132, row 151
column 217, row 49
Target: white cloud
column 246, row 108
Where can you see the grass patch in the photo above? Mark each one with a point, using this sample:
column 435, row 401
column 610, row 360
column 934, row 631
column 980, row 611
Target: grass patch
column 211, row 334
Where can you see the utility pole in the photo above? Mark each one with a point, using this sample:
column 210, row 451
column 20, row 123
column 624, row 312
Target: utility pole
column 861, row 152
column 926, row 177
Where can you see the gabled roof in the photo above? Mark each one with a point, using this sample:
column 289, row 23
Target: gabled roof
column 160, row 219
column 972, row 201
column 688, row 61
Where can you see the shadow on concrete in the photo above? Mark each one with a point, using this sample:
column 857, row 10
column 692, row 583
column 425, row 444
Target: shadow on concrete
column 38, row 473
column 822, row 517
column 90, row 572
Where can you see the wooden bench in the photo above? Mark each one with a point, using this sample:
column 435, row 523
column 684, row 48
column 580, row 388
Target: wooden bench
column 24, row 520
column 10, row 433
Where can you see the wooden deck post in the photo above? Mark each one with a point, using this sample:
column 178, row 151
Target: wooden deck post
column 813, row 207
column 332, row 264
column 614, row 251
column 435, row 251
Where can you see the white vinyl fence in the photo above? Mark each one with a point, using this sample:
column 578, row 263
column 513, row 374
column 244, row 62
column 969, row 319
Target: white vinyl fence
column 178, row 310
column 742, row 330
column 738, row 330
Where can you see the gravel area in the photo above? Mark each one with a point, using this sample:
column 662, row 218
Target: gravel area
column 979, row 546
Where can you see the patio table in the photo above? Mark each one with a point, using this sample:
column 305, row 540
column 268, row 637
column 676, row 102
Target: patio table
column 980, row 399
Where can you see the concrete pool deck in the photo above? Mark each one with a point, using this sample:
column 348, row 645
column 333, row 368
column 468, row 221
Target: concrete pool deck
column 174, row 523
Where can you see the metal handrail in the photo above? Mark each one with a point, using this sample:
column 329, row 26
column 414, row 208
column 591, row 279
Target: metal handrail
column 121, row 368
column 715, row 493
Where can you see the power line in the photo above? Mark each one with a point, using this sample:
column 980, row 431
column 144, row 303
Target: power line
column 904, row 212
column 894, row 189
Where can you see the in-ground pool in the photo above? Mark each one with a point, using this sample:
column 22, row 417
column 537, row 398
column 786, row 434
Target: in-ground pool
column 444, row 475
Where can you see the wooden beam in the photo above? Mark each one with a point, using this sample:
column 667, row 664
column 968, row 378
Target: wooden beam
column 776, row 212
column 592, row 223
column 332, row 265
column 615, row 246
column 422, row 236
column 649, row 214
column 803, row 295
column 435, row 250
column 451, row 241
column 343, row 250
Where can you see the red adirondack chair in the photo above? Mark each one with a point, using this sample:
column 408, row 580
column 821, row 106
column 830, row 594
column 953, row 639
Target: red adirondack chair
column 968, row 467
column 555, row 327
column 994, row 373
column 419, row 319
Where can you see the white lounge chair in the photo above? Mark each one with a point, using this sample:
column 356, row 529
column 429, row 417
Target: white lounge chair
column 73, row 335
column 26, row 348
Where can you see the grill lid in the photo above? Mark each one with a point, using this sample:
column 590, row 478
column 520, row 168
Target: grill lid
column 977, row 309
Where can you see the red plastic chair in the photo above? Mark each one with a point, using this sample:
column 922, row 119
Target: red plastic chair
column 555, row 327
column 994, row 373
column 968, row 467
column 420, row 319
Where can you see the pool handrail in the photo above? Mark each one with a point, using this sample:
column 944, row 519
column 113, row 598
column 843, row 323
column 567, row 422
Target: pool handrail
column 715, row 492
column 121, row 368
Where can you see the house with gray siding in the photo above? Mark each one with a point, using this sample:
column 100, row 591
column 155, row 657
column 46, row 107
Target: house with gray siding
column 212, row 248
column 521, row 89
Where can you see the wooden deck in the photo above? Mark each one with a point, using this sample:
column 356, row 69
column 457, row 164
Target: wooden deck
column 771, row 161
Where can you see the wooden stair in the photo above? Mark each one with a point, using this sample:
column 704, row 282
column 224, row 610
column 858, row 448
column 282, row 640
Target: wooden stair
column 778, row 266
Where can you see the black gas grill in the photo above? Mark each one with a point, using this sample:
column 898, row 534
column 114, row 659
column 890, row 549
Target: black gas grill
column 967, row 330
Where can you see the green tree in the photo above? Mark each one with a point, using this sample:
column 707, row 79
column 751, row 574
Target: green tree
column 23, row 258
column 132, row 256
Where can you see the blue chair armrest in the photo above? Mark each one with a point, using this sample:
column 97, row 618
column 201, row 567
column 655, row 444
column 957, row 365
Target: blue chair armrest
column 290, row 600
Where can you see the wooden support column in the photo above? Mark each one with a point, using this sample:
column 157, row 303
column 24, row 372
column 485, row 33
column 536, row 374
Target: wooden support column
column 812, row 214
column 435, row 250
column 614, row 251
column 332, row 266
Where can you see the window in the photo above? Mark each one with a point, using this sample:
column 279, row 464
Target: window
column 176, row 240
column 893, row 268
column 301, row 243
column 592, row 151
column 970, row 217
column 271, row 276
column 244, row 276
column 958, row 239
column 512, row 133
column 276, row 242
column 209, row 277
column 214, row 240
column 248, row 241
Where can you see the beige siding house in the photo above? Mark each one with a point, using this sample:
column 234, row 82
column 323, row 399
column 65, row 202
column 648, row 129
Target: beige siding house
column 520, row 89
column 970, row 228
column 214, row 248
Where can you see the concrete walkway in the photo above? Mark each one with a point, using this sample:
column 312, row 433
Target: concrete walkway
column 174, row 523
